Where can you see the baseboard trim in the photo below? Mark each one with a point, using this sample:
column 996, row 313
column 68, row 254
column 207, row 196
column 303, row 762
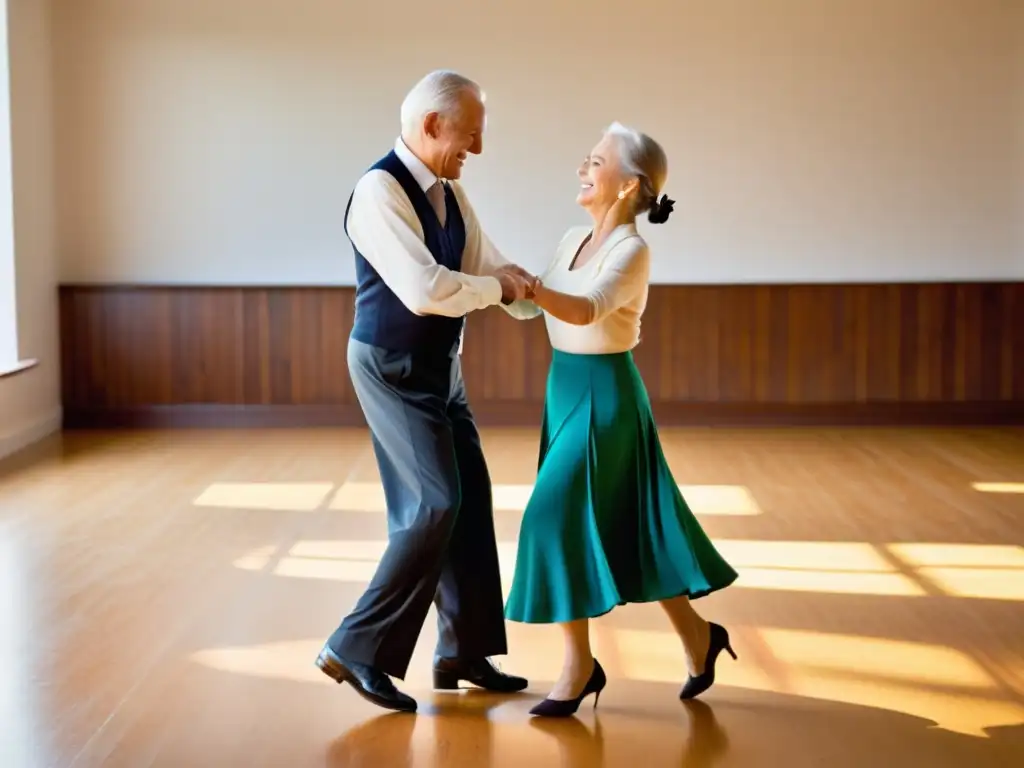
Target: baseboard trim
column 32, row 433
column 520, row 413
column 217, row 416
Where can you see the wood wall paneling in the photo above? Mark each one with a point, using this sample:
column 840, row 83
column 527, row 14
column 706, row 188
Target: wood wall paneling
column 893, row 353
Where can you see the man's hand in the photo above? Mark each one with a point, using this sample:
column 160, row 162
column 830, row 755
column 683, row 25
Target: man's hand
column 513, row 286
column 516, row 283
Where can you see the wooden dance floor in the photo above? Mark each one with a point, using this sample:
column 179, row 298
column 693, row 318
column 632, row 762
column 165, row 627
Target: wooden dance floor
column 164, row 595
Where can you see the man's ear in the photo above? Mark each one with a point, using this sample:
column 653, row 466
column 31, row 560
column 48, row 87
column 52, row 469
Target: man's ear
column 432, row 124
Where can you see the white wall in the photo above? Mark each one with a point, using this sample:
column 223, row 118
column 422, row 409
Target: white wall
column 30, row 401
column 216, row 141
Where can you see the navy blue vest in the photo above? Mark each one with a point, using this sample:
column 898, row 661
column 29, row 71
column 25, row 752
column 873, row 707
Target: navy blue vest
column 381, row 318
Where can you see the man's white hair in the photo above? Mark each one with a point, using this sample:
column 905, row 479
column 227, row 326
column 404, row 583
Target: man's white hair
column 441, row 91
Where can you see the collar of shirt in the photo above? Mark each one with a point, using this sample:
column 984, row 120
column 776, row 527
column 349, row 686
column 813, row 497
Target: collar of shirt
column 423, row 175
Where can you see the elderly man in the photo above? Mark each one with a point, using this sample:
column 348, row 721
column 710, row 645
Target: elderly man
column 422, row 264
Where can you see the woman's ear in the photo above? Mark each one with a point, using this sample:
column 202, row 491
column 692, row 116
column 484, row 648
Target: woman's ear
column 631, row 187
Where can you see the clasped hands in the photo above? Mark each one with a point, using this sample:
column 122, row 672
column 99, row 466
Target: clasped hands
column 516, row 283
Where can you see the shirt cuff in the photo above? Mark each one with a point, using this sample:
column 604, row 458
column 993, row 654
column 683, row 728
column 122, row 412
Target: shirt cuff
column 492, row 291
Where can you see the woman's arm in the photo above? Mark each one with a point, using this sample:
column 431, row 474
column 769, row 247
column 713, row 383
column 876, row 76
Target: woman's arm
column 621, row 279
column 576, row 310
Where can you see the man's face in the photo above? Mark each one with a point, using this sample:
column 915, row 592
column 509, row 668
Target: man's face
column 453, row 138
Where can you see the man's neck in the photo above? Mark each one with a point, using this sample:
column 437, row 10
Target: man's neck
column 414, row 146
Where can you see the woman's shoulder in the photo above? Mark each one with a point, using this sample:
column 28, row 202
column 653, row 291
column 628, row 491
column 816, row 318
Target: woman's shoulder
column 635, row 241
column 631, row 245
column 628, row 253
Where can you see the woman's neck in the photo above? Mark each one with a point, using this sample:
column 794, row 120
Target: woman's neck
column 608, row 219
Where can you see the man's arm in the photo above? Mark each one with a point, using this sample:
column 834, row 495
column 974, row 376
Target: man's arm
column 385, row 229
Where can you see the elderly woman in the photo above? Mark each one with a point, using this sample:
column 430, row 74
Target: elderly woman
column 606, row 524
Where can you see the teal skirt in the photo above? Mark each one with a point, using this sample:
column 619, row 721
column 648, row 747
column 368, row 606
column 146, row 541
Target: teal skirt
column 606, row 524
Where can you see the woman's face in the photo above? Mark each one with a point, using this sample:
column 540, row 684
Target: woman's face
column 601, row 177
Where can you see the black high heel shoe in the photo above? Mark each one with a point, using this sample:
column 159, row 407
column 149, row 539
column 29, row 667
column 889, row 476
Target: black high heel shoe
column 568, row 707
column 697, row 684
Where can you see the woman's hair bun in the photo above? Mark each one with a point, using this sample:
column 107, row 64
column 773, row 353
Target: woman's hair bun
column 660, row 211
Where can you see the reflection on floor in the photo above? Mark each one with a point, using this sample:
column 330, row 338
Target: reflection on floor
column 164, row 595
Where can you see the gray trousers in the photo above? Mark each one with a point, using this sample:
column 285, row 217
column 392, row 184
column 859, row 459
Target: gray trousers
column 441, row 544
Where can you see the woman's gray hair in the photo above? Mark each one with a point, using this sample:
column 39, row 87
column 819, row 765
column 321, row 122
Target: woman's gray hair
column 441, row 91
column 643, row 157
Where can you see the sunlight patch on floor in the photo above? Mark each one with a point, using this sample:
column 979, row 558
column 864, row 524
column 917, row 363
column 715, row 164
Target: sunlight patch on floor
column 811, row 566
column 933, row 682
column 998, row 487
column 280, row 497
column 979, row 571
column 289, row 660
column 878, row 658
column 794, row 566
column 344, row 560
column 703, row 500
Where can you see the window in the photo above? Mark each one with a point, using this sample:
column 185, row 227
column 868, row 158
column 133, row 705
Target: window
column 8, row 284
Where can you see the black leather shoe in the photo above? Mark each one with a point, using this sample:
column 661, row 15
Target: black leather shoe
column 479, row 672
column 568, row 707
column 696, row 684
column 370, row 683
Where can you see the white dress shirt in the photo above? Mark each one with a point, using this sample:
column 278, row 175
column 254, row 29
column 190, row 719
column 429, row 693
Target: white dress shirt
column 615, row 280
column 386, row 230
